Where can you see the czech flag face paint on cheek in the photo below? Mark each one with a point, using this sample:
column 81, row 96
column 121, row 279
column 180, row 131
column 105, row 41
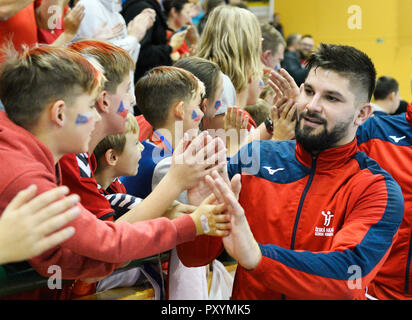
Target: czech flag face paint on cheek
column 218, row 104
column 84, row 118
column 122, row 111
column 196, row 117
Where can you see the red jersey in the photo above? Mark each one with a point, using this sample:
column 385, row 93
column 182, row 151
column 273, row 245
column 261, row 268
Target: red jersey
column 78, row 175
column 145, row 128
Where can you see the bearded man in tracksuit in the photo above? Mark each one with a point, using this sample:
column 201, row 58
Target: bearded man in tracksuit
column 316, row 218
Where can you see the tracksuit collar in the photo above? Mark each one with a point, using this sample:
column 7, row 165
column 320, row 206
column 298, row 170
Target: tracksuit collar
column 328, row 159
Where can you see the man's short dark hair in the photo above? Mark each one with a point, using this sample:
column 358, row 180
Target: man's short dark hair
column 348, row 62
column 385, row 86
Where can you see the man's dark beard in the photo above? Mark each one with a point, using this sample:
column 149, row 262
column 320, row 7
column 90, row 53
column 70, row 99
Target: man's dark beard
column 321, row 141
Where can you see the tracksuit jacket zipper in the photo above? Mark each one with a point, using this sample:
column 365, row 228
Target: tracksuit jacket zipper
column 302, row 200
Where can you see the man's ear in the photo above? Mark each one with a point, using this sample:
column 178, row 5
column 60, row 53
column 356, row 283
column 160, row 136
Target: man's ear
column 179, row 110
column 364, row 114
column 57, row 112
column 265, row 56
column 102, row 102
column 392, row 96
column 203, row 105
column 111, row 157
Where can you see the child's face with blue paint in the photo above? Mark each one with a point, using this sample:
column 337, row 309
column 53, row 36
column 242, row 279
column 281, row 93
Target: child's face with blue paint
column 81, row 117
column 192, row 113
column 120, row 105
column 214, row 103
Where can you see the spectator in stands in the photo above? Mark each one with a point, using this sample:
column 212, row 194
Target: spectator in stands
column 58, row 103
column 387, row 96
column 344, row 209
column 306, row 45
column 291, row 61
column 30, row 225
column 155, row 50
column 276, row 23
column 388, row 140
column 55, row 19
column 209, row 73
column 17, row 23
column 103, row 21
column 273, row 47
column 208, row 6
column 178, row 14
column 232, row 39
column 118, row 155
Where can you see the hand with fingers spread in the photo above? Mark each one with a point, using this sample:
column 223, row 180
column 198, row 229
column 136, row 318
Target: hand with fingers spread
column 73, row 20
column 283, row 115
column 177, row 40
column 235, row 125
column 210, row 219
column 193, row 160
column 30, row 225
column 240, row 243
column 284, row 85
column 105, row 33
column 141, row 23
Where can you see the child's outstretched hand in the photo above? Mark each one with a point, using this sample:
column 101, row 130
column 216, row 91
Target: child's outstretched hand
column 193, row 160
column 210, row 219
column 31, row 225
column 178, row 209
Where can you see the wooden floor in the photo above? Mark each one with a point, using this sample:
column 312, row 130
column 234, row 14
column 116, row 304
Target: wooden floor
column 143, row 292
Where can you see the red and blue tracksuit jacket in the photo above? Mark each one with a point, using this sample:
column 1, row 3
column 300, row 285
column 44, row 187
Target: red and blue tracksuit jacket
column 324, row 224
column 388, row 140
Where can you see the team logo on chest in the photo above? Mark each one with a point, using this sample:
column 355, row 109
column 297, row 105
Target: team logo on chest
column 325, row 230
